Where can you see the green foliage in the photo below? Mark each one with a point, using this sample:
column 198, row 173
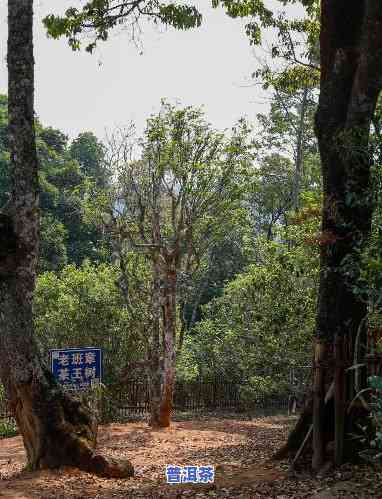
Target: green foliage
column 183, row 198
column 283, row 159
column 375, row 382
column 179, row 16
column 8, row 429
column 223, row 260
column 100, row 16
column 53, row 250
column 290, row 79
column 295, row 52
column 263, row 322
column 261, row 16
column 198, row 168
column 186, row 367
column 53, row 139
column 84, row 307
column 90, row 154
column 270, row 195
column 280, row 126
column 193, row 175
column 369, row 272
column 66, row 174
column 265, row 386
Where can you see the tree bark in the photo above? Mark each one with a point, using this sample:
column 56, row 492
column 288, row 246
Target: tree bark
column 318, row 406
column 298, row 434
column 56, row 429
column 155, row 374
column 162, row 381
column 339, row 401
column 169, row 326
column 351, row 79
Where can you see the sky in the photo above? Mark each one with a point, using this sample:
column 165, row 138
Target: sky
column 117, row 84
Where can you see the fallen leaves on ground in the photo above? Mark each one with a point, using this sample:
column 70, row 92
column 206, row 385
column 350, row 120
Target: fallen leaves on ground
column 239, row 450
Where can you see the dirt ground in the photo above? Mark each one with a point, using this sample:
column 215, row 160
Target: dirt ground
column 239, row 450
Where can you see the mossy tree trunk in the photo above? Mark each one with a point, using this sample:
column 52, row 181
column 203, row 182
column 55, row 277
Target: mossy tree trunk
column 56, row 428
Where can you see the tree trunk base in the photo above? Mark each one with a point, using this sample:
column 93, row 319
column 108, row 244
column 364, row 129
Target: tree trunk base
column 357, row 417
column 110, row 467
column 60, row 430
column 161, row 410
column 297, row 435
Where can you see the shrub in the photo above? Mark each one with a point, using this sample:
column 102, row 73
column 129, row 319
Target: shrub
column 8, row 428
column 376, row 383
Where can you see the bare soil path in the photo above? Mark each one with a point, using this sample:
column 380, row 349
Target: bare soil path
column 239, row 450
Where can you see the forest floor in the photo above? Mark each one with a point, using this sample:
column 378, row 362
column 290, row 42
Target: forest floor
column 239, row 450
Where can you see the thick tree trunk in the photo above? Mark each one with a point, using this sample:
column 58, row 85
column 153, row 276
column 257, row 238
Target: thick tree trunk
column 351, row 79
column 350, row 84
column 297, row 435
column 56, row 429
column 162, row 378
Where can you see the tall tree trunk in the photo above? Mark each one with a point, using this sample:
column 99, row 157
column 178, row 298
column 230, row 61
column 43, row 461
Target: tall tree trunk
column 351, row 71
column 155, row 374
column 351, row 79
column 169, row 326
column 162, row 379
column 56, row 429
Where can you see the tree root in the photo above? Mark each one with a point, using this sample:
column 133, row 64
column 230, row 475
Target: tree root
column 110, row 467
column 297, row 435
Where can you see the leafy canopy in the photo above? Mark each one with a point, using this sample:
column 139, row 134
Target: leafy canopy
column 99, row 16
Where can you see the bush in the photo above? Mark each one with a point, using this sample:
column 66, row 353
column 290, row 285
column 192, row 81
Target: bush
column 260, row 329
column 376, row 383
column 263, row 387
column 82, row 307
column 8, row 428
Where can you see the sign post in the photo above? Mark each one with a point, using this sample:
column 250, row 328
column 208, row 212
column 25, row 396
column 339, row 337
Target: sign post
column 77, row 368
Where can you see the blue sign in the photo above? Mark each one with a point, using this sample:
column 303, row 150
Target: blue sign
column 190, row 474
column 77, row 368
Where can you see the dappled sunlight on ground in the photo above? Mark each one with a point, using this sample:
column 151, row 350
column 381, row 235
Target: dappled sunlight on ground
column 239, row 450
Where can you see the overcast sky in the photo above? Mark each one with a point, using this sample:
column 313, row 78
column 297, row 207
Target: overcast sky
column 207, row 66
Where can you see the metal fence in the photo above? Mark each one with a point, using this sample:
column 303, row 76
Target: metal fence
column 192, row 397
